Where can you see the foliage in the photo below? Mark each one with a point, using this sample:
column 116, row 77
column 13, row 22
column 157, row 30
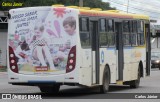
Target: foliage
column 29, row 3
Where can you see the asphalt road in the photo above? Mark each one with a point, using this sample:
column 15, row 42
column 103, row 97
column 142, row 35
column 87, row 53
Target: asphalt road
column 149, row 85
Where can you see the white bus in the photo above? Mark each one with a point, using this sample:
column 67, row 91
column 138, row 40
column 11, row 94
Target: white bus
column 53, row 46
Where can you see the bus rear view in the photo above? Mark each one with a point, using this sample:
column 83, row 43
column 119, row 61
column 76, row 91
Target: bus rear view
column 42, row 47
column 53, row 46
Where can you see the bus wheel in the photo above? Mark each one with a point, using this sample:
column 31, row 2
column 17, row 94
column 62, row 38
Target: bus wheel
column 106, row 80
column 135, row 83
column 50, row 89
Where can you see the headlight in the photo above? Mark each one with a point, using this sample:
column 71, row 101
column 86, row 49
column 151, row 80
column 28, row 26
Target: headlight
column 157, row 61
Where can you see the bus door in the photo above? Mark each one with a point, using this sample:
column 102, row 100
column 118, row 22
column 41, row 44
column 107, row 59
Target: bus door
column 148, row 49
column 119, row 47
column 95, row 50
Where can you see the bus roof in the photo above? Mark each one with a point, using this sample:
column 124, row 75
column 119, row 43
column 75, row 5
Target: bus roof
column 113, row 14
column 95, row 12
column 109, row 13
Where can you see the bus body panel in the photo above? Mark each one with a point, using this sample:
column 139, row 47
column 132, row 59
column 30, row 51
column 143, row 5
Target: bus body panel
column 85, row 73
column 108, row 57
column 132, row 58
column 60, row 56
column 41, row 39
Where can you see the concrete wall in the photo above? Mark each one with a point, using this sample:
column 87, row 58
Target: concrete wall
column 3, row 47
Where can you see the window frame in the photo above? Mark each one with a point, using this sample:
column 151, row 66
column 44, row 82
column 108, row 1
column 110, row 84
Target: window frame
column 128, row 26
column 107, row 25
column 111, row 32
column 134, row 26
column 85, row 32
column 126, row 33
column 81, row 26
column 103, row 32
column 100, row 28
column 113, row 38
column 133, row 33
column 124, row 40
column 136, row 43
column 139, row 33
column 140, row 26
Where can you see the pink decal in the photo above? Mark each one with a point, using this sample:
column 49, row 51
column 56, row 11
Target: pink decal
column 16, row 36
column 11, row 43
column 50, row 32
column 57, row 26
column 59, row 12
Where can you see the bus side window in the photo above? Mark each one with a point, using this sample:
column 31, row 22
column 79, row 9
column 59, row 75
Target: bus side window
column 126, row 26
column 103, row 25
column 126, row 39
column 133, row 32
column 126, row 33
column 84, row 32
column 110, row 25
column 140, row 34
column 133, row 39
column 134, row 26
column 103, row 33
column 140, row 39
column 110, row 33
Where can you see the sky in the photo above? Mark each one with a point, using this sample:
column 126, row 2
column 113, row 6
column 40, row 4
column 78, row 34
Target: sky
column 147, row 7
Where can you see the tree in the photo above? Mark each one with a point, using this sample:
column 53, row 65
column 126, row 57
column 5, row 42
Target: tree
column 30, row 3
column 26, row 3
column 106, row 6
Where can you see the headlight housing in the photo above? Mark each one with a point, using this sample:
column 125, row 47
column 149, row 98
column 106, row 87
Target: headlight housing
column 157, row 61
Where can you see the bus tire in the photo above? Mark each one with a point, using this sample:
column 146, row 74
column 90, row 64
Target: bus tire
column 135, row 83
column 105, row 81
column 50, row 89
